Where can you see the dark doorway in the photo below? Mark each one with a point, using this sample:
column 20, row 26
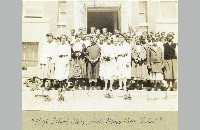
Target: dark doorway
column 101, row 20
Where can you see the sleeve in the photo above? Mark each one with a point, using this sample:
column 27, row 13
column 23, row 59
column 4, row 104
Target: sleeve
column 133, row 52
column 69, row 52
column 84, row 50
column 149, row 56
column 99, row 52
column 129, row 53
column 148, row 53
column 162, row 58
column 176, row 51
column 162, row 48
column 143, row 54
column 87, row 53
column 102, row 51
column 72, row 54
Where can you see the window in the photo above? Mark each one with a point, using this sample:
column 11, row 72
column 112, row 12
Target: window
column 62, row 12
column 33, row 9
column 168, row 9
column 143, row 12
column 29, row 54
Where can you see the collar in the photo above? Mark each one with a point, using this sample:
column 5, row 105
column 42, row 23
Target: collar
column 170, row 42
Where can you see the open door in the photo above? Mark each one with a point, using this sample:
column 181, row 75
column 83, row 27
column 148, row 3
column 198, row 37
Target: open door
column 101, row 20
column 103, row 17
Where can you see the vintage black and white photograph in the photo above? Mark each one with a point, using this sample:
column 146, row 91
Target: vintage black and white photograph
column 100, row 55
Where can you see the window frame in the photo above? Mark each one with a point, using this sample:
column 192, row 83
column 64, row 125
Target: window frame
column 26, row 15
column 59, row 23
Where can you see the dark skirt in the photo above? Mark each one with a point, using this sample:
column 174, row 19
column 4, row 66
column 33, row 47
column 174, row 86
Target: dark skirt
column 77, row 68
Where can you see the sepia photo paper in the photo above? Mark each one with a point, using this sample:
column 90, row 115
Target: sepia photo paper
column 100, row 64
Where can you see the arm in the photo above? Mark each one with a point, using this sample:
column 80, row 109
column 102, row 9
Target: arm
column 70, row 53
column 148, row 56
column 128, row 53
column 143, row 54
column 99, row 54
column 162, row 59
column 87, row 53
column 133, row 53
column 176, row 51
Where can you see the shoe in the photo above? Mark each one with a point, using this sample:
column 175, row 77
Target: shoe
column 120, row 88
column 72, row 89
column 110, row 88
column 94, row 88
column 105, row 88
column 158, row 89
column 80, row 88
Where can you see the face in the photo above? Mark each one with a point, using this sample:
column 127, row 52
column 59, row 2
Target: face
column 170, row 38
column 94, row 41
column 150, row 39
column 78, row 39
column 117, row 33
column 92, row 30
column 50, row 38
column 63, row 39
column 154, row 43
column 157, row 39
column 137, row 40
column 109, row 41
column 72, row 32
column 98, row 32
column 81, row 31
column 116, row 42
column 102, row 38
column 121, row 39
column 87, row 38
column 162, row 34
column 104, row 31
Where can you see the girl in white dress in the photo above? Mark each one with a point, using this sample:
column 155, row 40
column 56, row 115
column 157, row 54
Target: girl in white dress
column 47, row 60
column 62, row 61
column 108, row 55
column 102, row 48
column 124, row 62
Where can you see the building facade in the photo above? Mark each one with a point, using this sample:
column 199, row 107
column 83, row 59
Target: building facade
column 59, row 16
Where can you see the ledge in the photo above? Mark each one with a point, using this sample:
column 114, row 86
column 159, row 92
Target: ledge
column 35, row 20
